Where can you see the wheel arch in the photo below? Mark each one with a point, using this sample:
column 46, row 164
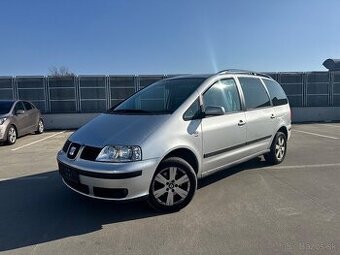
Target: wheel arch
column 7, row 130
column 15, row 126
column 284, row 130
column 186, row 154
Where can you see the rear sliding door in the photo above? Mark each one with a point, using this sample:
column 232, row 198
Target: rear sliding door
column 260, row 115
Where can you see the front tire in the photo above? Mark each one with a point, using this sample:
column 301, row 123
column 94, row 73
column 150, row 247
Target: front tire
column 41, row 127
column 11, row 135
column 173, row 185
column 278, row 149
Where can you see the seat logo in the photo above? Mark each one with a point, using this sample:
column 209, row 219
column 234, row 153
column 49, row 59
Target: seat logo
column 72, row 150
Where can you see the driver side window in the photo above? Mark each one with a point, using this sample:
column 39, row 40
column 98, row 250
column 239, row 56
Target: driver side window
column 223, row 94
column 18, row 106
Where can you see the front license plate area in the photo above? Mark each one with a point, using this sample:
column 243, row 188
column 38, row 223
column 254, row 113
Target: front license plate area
column 69, row 174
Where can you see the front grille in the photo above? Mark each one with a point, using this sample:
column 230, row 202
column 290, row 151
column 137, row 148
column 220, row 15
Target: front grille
column 110, row 193
column 66, row 145
column 90, row 153
column 123, row 175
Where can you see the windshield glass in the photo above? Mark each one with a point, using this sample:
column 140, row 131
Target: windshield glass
column 5, row 106
column 162, row 97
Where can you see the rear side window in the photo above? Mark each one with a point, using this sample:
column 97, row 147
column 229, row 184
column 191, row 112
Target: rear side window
column 277, row 95
column 255, row 95
column 28, row 106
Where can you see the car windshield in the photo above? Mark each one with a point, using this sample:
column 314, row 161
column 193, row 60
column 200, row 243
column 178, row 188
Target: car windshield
column 162, row 97
column 5, row 106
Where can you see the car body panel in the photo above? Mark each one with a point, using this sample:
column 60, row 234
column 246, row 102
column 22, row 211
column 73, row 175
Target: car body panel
column 222, row 137
column 260, row 129
column 118, row 129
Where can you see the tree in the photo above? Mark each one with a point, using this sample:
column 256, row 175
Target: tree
column 60, row 72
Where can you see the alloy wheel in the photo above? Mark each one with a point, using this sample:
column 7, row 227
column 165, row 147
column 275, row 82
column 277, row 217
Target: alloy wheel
column 12, row 135
column 280, row 148
column 40, row 126
column 171, row 186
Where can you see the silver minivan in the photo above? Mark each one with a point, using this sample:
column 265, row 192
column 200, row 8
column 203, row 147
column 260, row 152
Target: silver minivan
column 159, row 141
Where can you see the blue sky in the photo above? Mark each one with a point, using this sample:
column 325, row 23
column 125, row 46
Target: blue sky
column 156, row 37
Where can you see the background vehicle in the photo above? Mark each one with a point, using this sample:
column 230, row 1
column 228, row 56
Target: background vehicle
column 158, row 142
column 18, row 118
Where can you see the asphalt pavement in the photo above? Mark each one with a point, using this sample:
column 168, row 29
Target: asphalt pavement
column 254, row 208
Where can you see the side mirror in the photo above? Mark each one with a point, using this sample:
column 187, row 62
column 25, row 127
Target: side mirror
column 18, row 112
column 214, row 111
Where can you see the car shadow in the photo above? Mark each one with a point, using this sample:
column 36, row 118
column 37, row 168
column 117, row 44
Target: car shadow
column 39, row 208
column 248, row 165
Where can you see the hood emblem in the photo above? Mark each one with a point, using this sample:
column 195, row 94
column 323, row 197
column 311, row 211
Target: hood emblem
column 72, row 150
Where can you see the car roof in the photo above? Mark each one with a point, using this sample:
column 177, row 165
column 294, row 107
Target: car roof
column 8, row 100
column 13, row 100
column 190, row 76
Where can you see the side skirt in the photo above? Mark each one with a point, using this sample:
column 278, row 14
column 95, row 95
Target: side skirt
column 209, row 172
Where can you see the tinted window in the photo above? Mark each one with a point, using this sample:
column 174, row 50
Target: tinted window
column 19, row 106
column 223, row 94
column 28, row 106
column 193, row 111
column 5, row 106
column 277, row 95
column 255, row 94
column 162, row 97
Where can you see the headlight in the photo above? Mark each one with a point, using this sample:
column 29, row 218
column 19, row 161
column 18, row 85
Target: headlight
column 2, row 120
column 120, row 153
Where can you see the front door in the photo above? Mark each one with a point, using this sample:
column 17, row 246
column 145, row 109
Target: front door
column 21, row 119
column 224, row 136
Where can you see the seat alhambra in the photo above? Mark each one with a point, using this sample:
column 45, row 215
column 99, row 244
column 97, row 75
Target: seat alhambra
column 159, row 141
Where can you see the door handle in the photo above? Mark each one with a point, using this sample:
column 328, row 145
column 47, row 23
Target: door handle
column 241, row 123
column 272, row 116
column 195, row 134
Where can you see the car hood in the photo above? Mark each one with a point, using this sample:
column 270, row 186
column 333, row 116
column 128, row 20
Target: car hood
column 4, row 115
column 118, row 129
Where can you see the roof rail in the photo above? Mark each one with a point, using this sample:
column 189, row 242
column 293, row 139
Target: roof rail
column 240, row 71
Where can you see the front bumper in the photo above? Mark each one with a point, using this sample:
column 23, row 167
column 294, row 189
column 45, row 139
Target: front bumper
column 2, row 132
column 109, row 181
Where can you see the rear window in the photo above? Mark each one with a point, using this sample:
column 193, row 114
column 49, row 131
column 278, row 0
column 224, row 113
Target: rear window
column 277, row 94
column 255, row 95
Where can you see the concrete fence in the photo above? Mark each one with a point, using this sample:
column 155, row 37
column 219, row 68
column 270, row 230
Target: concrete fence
column 68, row 102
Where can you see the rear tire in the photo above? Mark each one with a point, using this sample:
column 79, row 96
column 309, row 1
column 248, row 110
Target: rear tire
column 41, row 127
column 12, row 135
column 173, row 185
column 278, row 149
